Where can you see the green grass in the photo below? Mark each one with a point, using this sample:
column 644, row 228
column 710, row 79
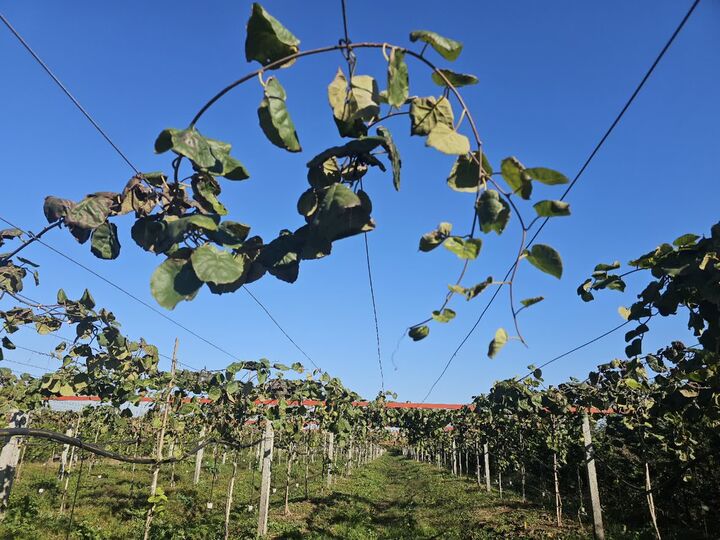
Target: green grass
column 391, row 498
column 394, row 498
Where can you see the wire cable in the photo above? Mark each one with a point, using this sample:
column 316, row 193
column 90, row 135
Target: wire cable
column 135, row 169
column 580, row 172
column 575, row 349
column 67, row 92
column 267, row 312
column 374, row 308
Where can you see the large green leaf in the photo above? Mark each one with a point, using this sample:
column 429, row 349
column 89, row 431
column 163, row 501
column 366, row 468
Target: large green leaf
column 397, row 79
column 174, row 280
column 546, row 259
column 417, row 333
column 267, row 40
column 498, row 342
column 464, row 248
column 91, row 212
column 280, row 257
column 433, row 239
column 159, row 235
column 354, row 104
column 516, row 176
column 105, row 243
column 448, row 48
column 546, row 176
column 447, row 140
column 393, row 154
column 230, row 234
column 307, row 203
column 428, row 112
column 465, row 173
column 341, row 214
column 206, row 154
column 552, row 208
column 446, row 315
column 188, row 143
column 493, row 212
column 274, row 118
column 216, row 266
column 456, row 79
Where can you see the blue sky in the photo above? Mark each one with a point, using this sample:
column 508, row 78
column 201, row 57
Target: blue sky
column 552, row 77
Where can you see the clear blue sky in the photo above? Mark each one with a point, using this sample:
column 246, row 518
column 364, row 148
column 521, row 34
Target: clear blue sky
column 552, row 77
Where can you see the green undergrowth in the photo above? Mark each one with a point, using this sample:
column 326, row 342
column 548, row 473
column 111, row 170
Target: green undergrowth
column 395, row 498
column 391, row 498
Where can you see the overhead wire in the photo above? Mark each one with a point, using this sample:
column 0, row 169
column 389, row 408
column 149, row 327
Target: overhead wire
column 279, row 326
column 574, row 181
column 96, row 125
column 350, row 59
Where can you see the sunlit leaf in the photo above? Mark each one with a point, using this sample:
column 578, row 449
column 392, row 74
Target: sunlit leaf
column 546, row 259
column 448, row 48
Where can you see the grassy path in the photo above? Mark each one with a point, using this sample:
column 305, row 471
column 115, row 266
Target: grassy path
column 395, row 498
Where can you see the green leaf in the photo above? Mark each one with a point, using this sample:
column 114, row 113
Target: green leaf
column 357, row 148
column 464, row 248
column 686, row 240
column 397, row 79
column 583, row 291
column 448, row 48
column 188, row 143
column 634, row 349
column 546, row 176
column 516, row 176
column 274, row 118
column 606, row 267
column 532, row 301
column 417, row 333
column 90, row 213
column 433, row 239
column 493, row 212
column 214, row 393
column 105, row 243
column 174, row 280
column 354, row 105
column 307, row 203
column 473, row 291
column 267, row 40
column 341, row 214
column 393, row 155
column 546, row 259
column 498, row 342
column 426, row 113
column 446, row 315
column 55, row 208
column 9, row 345
column 205, row 191
column 447, row 140
column 456, row 79
column 465, row 173
column 9, row 234
column 624, row 312
column 216, row 266
column 207, row 154
column 552, row 208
